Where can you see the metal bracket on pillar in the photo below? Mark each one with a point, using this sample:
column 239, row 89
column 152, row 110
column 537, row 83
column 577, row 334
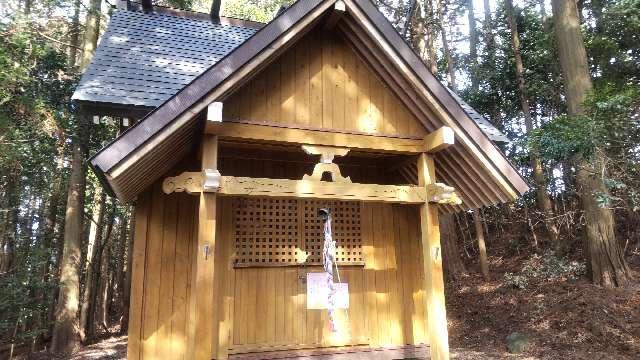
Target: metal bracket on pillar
column 211, row 180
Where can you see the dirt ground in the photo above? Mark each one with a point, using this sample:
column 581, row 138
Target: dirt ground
column 563, row 319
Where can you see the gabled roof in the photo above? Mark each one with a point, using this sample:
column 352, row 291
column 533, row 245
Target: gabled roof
column 474, row 164
column 145, row 58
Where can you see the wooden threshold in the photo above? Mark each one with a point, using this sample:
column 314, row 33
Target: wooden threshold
column 341, row 353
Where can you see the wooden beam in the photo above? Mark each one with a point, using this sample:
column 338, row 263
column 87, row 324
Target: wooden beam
column 439, row 139
column 228, row 130
column 432, row 266
column 202, row 335
column 245, row 186
column 321, row 190
column 339, row 9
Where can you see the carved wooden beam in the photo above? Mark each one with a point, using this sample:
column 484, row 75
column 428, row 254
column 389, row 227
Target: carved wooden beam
column 230, row 185
column 333, row 169
column 193, row 182
column 210, row 180
column 442, row 194
column 327, row 153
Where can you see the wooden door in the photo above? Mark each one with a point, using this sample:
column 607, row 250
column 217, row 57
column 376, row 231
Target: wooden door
column 270, row 311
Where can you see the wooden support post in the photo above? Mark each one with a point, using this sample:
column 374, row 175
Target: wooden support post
column 432, row 262
column 203, row 320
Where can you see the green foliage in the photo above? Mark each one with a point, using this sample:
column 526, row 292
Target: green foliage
column 18, row 298
column 614, row 43
column 177, row 4
column 611, row 123
column 34, row 118
column 256, row 10
column 546, row 267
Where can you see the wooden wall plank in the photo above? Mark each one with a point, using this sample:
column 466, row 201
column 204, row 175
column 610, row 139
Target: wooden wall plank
column 315, row 81
column 181, row 273
column 368, row 243
column 303, row 84
column 337, row 68
column 393, row 281
column 382, row 287
column 167, row 267
column 152, row 275
column 288, row 89
column 227, row 277
column 327, row 83
column 142, row 212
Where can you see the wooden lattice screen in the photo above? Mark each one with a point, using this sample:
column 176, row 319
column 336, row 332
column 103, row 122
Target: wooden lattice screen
column 280, row 232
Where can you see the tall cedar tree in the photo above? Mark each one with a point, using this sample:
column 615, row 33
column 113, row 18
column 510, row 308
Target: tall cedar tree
column 605, row 257
column 542, row 196
column 66, row 337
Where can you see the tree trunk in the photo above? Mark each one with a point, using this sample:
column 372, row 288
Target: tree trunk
column 482, row 248
column 91, row 32
column 542, row 196
column 490, row 42
column 606, row 262
column 8, row 226
column 453, row 266
column 95, row 236
column 66, row 336
column 451, row 69
column 74, row 35
column 473, row 46
column 102, row 281
column 431, row 36
column 124, row 326
column 120, row 260
column 423, row 35
column 27, row 7
column 47, row 231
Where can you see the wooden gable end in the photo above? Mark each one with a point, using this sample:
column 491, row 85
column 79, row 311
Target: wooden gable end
column 321, row 83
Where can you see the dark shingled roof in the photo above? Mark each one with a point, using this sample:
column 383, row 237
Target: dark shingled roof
column 145, row 58
column 485, row 125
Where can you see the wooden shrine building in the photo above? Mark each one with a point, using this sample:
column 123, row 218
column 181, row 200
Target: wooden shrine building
column 240, row 132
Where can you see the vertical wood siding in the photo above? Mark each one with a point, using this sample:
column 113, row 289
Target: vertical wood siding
column 265, row 308
column 163, row 253
column 321, row 83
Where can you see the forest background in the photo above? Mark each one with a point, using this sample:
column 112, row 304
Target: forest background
column 567, row 93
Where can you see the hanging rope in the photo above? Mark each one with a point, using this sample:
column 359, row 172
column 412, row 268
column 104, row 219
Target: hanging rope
column 328, row 262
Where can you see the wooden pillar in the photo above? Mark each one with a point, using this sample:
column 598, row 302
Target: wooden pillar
column 432, row 265
column 202, row 314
